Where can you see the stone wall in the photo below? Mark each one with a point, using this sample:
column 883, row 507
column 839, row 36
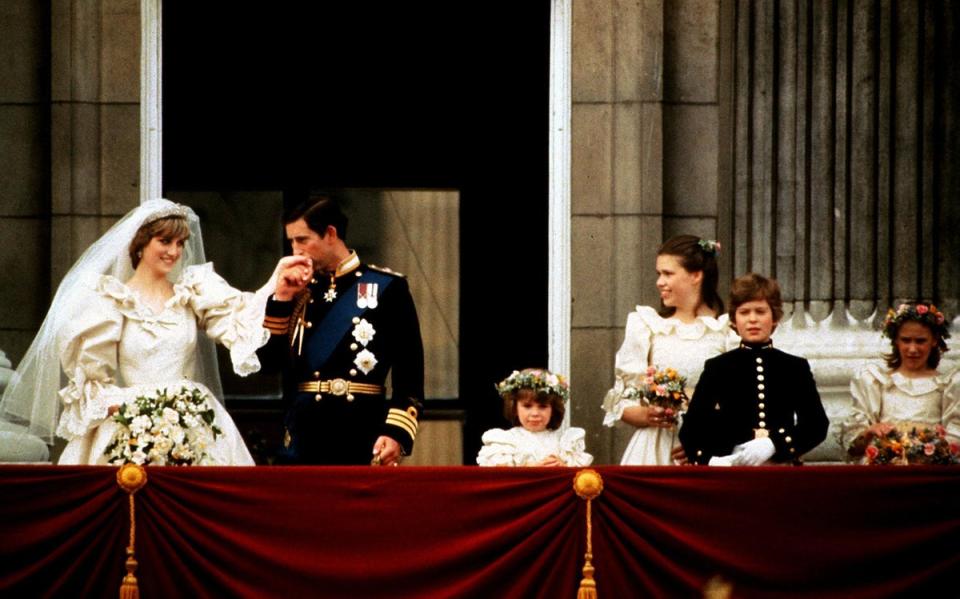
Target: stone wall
column 817, row 141
column 644, row 167
column 69, row 140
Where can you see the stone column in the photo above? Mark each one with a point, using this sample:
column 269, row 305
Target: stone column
column 25, row 176
column 95, row 133
column 644, row 167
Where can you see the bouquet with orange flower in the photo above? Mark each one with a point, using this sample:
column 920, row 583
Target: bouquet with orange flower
column 919, row 445
column 885, row 449
column 930, row 446
column 663, row 388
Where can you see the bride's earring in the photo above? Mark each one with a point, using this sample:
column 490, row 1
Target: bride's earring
column 139, row 253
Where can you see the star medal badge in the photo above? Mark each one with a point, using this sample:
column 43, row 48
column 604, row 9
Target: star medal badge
column 366, row 295
column 331, row 293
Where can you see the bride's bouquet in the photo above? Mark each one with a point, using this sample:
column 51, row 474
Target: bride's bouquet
column 919, row 445
column 663, row 388
column 164, row 429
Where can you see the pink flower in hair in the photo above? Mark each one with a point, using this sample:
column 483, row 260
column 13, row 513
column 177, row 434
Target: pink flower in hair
column 921, row 309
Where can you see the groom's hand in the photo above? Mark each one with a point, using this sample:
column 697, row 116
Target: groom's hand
column 294, row 274
column 386, row 452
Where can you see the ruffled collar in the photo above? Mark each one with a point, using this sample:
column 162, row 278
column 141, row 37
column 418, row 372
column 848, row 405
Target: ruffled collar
column 685, row 330
column 909, row 385
column 129, row 304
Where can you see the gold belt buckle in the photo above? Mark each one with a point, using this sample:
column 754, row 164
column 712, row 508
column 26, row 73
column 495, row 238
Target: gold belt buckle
column 339, row 386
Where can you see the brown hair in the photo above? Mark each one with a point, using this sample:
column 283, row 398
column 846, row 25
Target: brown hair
column 544, row 399
column 319, row 211
column 752, row 286
column 694, row 257
column 171, row 227
column 894, row 359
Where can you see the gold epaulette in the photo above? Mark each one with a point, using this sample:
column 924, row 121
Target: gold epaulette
column 386, row 270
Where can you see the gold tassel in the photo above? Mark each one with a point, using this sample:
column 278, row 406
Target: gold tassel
column 131, row 477
column 129, row 588
column 588, row 485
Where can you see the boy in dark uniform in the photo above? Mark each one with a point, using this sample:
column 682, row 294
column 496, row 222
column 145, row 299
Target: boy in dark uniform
column 755, row 404
column 338, row 326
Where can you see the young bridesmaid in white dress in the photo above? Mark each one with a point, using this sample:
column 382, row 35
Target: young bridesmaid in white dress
column 910, row 391
column 534, row 402
column 690, row 328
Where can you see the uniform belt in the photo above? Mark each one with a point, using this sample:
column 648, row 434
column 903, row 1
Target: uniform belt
column 341, row 387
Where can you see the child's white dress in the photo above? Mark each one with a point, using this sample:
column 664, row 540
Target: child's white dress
column 520, row 447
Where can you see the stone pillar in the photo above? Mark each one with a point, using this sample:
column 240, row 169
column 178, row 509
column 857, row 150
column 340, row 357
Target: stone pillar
column 845, row 141
column 644, row 167
column 95, row 133
column 24, row 178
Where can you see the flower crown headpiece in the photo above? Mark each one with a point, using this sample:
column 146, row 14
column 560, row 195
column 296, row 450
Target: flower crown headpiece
column 922, row 312
column 542, row 382
column 710, row 246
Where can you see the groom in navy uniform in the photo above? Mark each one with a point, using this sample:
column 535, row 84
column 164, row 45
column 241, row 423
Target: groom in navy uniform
column 337, row 327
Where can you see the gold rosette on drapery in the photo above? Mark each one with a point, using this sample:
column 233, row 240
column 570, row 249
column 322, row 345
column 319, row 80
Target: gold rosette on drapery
column 588, row 485
column 131, row 477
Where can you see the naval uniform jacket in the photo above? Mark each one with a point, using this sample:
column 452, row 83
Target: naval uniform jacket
column 332, row 423
column 751, row 392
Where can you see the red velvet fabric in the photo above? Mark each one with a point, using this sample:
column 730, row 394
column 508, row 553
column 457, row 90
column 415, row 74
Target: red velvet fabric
column 481, row 532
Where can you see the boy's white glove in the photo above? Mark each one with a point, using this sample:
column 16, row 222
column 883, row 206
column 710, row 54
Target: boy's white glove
column 753, row 453
column 721, row 460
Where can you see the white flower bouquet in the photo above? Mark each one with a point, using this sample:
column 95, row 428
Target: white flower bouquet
column 164, row 429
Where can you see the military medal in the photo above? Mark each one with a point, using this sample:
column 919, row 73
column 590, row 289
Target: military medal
column 331, row 293
column 366, row 295
column 363, row 332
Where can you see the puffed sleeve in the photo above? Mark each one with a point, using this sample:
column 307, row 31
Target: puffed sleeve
column 88, row 354
column 951, row 406
column 866, row 393
column 573, row 448
column 227, row 315
column 499, row 449
column 630, row 366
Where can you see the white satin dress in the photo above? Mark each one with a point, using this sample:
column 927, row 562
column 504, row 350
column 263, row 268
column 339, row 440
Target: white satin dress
column 117, row 348
column 519, row 447
column 882, row 395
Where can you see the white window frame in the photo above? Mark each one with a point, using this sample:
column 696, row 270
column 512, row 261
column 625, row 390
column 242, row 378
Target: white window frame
column 558, row 300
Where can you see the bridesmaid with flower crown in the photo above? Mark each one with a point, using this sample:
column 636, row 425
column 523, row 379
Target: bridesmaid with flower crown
column 690, row 327
column 911, row 391
column 534, row 401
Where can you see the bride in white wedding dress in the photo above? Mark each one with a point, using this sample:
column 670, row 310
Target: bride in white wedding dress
column 126, row 322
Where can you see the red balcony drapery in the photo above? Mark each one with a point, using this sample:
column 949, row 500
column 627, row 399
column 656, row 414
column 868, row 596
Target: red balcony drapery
column 480, row 532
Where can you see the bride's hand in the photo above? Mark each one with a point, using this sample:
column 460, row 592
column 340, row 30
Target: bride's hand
column 643, row 416
column 880, row 429
column 295, row 273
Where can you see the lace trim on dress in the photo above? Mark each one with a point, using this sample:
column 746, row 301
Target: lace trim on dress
column 693, row 330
